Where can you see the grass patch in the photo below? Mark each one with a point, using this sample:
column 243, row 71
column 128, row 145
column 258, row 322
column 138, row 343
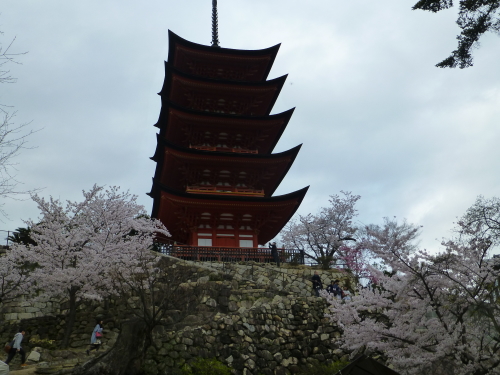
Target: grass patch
column 205, row 366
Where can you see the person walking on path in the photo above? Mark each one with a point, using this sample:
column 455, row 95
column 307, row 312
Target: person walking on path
column 274, row 253
column 95, row 339
column 16, row 348
column 316, row 283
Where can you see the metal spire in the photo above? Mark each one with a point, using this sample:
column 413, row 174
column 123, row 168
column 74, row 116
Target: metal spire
column 215, row 26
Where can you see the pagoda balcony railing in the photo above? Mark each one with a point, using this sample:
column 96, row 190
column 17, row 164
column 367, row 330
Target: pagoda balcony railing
column 230, row 254
column 224, row 190
column 225, row 149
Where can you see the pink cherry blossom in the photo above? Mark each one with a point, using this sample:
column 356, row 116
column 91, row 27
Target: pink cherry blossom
column 428, row 308
column 79, row 243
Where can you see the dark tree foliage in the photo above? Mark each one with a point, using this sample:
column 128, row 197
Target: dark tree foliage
column 474, row 19
column 22, row 236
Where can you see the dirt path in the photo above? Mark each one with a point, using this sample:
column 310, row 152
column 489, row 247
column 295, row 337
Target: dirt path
column 28, row 370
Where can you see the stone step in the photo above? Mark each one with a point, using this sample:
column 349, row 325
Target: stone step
column 59, row 367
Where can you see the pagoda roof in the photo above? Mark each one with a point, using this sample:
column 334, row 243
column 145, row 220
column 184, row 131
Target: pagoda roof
column 180, row 212
column 176, row 166
column 220, row 63
column 184, row 126
column 203, row 94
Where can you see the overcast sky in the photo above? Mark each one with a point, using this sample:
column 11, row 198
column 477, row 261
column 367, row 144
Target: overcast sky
column 373, row 113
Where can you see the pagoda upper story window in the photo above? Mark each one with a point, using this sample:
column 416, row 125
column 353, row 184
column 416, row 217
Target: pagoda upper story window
column 226, row 216
column 223, row 182
column 222, row 141
column 222, row 226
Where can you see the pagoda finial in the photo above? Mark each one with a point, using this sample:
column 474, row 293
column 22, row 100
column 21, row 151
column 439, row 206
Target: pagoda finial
column 215, row 26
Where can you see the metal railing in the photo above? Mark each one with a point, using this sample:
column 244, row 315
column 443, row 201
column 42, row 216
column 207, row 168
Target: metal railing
column 229, row 254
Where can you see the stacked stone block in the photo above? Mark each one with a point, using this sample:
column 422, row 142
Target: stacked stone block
column 257, row 319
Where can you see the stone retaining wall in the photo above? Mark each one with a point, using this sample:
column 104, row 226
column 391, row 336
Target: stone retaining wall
column 51, row 327
column 274, row 336
column 256, row 278
column 22, row 309
column 264, row 321
column 296, row 280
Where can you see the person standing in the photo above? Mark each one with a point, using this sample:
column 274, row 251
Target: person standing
column 274, row 253
column 335, row 289
column 316, row 283
column 16, row 348
column 95, row 339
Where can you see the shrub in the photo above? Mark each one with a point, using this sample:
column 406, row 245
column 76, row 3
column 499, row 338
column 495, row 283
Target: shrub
column 43, row 343
column 205, row 366
column 215, row 277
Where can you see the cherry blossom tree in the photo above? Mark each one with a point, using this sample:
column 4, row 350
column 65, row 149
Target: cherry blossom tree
column 14, row 274
column 158, row 285
column 357, row 260
column 78, row 243
column 158, row 294
column 482, row 220
column 431, row 310
column 320, row 236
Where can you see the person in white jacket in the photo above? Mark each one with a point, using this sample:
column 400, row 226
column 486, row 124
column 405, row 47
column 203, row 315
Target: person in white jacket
column 16, row 348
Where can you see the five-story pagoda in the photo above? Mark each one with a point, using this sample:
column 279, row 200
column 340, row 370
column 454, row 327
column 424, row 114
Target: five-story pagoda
column 215, row 172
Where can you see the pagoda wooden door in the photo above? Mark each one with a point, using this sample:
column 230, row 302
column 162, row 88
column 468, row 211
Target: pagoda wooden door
column 226, row 242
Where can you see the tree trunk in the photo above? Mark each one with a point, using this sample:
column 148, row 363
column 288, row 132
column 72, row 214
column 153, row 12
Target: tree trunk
column 126, row 357
column 70, row 319
column 325, row 262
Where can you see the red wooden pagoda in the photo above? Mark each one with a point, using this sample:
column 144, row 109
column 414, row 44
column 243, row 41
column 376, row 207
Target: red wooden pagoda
column 215, row 172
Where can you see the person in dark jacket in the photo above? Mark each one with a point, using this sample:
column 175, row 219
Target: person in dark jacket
column 334, row 289
column 16, row 348
column 316, row 283
column 274, row 253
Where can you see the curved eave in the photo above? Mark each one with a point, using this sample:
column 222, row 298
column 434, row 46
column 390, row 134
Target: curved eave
column 228, row 157
column 292, row 201
column 218, row 154
column 298, row 194
column 174, row 39
column 243, row 120
column 277, row 83
column 166, row 103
